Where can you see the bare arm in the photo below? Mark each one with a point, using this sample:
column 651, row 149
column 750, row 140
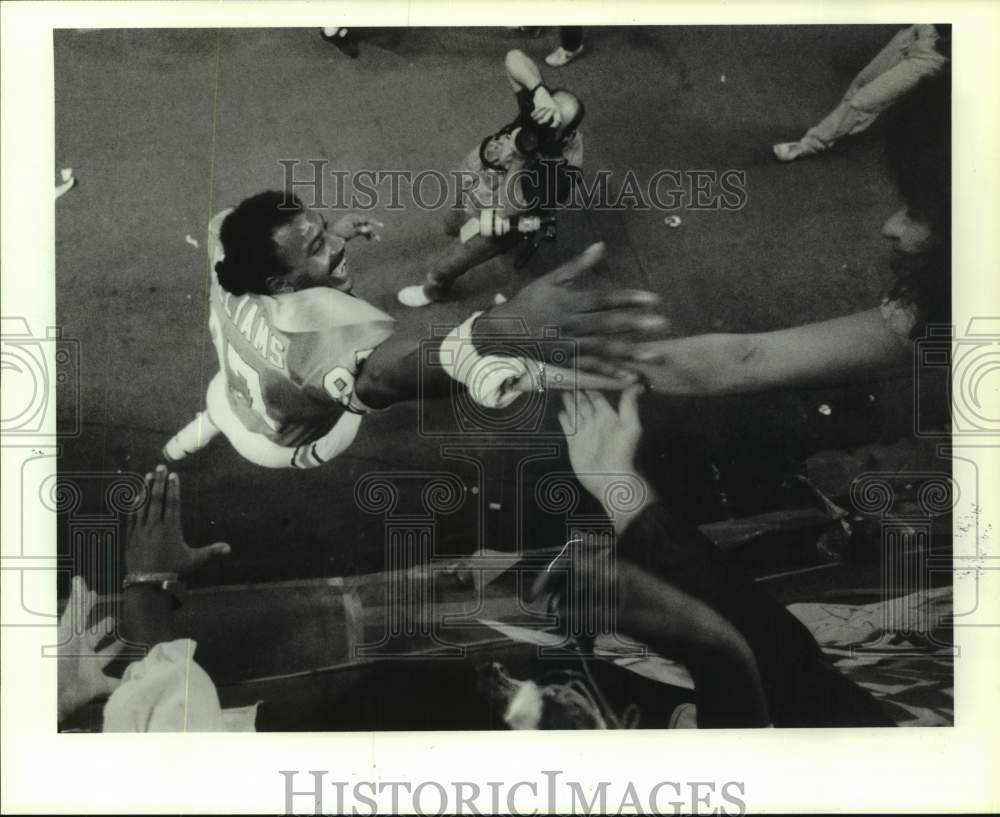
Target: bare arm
column 522, row 71
column 392, row 372
column 716, row 364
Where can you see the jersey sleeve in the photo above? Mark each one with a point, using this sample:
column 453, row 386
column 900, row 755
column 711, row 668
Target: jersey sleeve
column 331, row 334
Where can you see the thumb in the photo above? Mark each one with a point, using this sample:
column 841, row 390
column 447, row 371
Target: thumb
column 575, row 267
column 199, row 556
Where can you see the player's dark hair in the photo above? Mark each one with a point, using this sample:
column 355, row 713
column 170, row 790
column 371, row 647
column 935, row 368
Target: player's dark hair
column 918, row 152
column 247, row 237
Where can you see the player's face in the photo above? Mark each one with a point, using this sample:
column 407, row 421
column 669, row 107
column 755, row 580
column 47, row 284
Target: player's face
column 313, row 255
column 909, row 235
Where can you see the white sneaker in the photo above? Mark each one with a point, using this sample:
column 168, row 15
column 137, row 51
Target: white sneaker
column 789, row 151
column 414, row 296
column 559, row 57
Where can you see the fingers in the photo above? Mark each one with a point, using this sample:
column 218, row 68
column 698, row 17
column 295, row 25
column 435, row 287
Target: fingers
column 158, row 495
column 600, row 382
column 616, row 321
column 584, row 407
column 578, row 265
column 78, row 592
column 592, row 364
column 628, row 407
column 569, row 400
column 109, row 653
column 369, row 228
column 599, row 402
column 649, row 352
column 200, row 556
column 172, row 504
column 144, row 511
column 610, row 351
column 603, row 300
column 564, row 422
column 599, row 375
column 100, row 631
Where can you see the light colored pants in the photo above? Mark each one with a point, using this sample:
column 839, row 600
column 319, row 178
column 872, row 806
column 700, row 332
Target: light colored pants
column 896, row 70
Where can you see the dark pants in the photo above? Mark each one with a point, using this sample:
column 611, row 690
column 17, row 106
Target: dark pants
column 571, row 37
column 801, row 687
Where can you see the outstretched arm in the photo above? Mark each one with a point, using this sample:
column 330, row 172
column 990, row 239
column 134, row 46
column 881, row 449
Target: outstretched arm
column 393, row 372
column 716, row 364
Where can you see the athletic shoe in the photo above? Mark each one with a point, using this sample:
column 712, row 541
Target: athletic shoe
column 789, row 151
column 559, row 57
column 414, row 296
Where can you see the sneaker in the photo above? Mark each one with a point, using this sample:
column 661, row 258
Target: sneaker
column 559, row 57
column 414, row 296
column 789, row 151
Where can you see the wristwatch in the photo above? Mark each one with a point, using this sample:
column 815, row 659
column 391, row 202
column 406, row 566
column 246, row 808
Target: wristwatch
column 167, row 582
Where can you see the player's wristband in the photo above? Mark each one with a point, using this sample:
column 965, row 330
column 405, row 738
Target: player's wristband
column 488, row 377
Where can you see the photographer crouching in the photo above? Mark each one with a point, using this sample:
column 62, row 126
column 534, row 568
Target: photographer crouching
column 521, row 172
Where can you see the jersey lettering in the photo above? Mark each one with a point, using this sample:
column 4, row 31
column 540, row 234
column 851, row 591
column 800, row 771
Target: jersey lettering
column 251, row 377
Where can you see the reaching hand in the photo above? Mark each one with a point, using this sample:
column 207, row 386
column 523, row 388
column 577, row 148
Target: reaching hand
column 602, row 445
column 155, row 540
column 589, row 316
column 545, row 111
column 354, row 224
column 604, row 441
column 80, row 667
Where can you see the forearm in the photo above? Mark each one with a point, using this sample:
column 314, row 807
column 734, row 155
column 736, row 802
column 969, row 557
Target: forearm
column 839, row 349
column 394, row 373
column 677, row 625
column 147, row 615
column 701, row 365
column 624, row 500
column 522, row 71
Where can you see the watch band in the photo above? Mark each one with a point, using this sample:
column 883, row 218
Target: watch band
column 168, row 582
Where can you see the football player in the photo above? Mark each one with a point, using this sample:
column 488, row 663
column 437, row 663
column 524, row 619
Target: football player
column 302, row 360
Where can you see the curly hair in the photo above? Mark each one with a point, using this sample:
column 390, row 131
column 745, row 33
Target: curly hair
column 247, row 237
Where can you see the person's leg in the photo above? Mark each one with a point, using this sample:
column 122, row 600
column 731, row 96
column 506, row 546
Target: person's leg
column 190, row 439
column 454, row 262
column 850, row 117
column 570, row 46
column 889, row 56
column 857, row 113
column 571, row 37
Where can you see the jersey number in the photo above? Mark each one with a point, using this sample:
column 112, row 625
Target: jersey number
column 251, row 376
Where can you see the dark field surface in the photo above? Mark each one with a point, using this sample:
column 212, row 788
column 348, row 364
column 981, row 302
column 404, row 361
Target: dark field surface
column 164, row 128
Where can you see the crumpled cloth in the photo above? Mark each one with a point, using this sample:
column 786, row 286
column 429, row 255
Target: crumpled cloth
column 167, row 691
